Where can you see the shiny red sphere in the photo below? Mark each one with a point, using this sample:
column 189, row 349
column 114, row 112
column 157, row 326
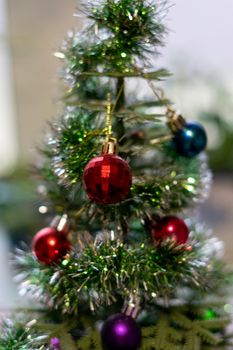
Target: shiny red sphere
column 107, row 179
column 50, row 245
column 170, row 226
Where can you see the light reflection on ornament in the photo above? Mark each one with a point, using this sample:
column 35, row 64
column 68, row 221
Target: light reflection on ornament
column 228, row 308
column 121, row 329
column 191, row 180
column 189, row 188
column 189, row 133
column 43, row 209
column 51, row 242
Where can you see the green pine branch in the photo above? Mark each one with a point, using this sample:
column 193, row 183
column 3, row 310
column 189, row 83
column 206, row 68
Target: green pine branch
column 156, row 75
column 176, row 328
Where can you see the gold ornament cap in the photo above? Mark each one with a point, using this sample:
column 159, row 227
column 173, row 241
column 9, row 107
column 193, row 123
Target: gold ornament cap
column 110, row 146
column 132, row 307
column 176, row 121
column 60, row 223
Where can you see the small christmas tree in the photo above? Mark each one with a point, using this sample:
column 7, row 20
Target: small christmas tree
column 124, row 264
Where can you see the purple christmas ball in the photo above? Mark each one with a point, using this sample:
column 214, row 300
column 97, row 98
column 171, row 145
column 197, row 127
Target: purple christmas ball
column 121, row 332
column 55, row 344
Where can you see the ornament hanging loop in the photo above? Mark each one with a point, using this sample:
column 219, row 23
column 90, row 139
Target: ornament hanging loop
column 132, row 307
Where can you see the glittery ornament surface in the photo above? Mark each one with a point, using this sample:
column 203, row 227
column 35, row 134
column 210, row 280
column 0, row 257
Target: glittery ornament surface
column 170, row 226
column 50, row 246
column 209, row 314
column 191, row 140
column 55, row 344
column 121, row 332
column 107, row 179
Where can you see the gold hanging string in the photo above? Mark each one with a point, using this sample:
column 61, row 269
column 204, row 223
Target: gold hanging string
column 117, row 98
column 159, row 93
column 175, row 121
column 110, row 110
column 108, row 126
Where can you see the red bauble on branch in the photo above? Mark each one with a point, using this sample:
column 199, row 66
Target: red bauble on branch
column 51, row 244
column 170, row 227
column 107, row 178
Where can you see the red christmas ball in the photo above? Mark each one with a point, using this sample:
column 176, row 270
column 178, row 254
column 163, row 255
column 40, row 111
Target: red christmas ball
column 107, row 179
column 170, row 226
column 50, row 245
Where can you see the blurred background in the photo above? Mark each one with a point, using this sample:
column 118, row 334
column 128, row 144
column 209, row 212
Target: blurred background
column 199, row 52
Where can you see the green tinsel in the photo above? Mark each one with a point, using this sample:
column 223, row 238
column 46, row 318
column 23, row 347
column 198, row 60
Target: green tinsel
column 103, row 272
column 125, row 29
column 181, row 183
column 75, row 141
column 133, row 22
column 19, row 336
column 123, row 32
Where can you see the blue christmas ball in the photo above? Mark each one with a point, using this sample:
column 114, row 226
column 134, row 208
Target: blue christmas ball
column 191, row 140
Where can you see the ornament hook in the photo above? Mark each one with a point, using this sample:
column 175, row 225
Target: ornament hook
column 175, row 120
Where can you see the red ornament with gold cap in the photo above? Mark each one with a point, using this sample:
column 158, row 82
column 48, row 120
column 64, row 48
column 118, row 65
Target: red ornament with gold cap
column 107, row 178
column 170, row 227
column 51, row 243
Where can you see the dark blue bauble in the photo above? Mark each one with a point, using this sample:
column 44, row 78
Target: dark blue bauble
column 121, row 332
column 191, row 140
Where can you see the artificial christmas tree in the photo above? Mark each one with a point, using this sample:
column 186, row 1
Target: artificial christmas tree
column 126, row 266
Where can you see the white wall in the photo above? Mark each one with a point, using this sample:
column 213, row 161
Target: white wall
column 8, row 137
column 201, row 34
